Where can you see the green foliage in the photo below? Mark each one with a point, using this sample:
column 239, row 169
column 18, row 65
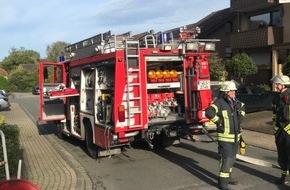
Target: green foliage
column 19, row 56
column 3, row 83
column 12, row 134
column 241, row 66
column 216, row 68
column 55, row 49
column 21, row 80
column 286, row 67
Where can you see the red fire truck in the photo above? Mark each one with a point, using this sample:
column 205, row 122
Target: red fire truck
column 116, row 89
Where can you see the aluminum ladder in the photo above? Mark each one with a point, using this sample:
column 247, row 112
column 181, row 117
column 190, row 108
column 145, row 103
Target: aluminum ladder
column 133, row 83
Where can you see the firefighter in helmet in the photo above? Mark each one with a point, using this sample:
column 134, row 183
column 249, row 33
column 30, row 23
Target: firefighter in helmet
column 281, row 118
column 227, row 113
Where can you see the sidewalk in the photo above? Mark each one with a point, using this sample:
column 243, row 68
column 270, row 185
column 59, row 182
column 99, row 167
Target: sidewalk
column 42, row 164
column 258, row 130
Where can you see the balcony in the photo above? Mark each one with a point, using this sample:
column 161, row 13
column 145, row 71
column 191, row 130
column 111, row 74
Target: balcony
column 257, row 38
column 251, row 5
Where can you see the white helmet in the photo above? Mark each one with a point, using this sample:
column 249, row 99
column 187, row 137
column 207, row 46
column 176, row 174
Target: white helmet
column 229, row 85
column 280, row 79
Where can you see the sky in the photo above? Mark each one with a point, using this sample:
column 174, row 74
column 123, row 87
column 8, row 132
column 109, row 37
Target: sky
column 36, row 24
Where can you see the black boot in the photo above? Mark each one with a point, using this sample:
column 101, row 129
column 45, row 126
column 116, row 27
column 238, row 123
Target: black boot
column 281, row 180
column 223, row 183
column 233, row 182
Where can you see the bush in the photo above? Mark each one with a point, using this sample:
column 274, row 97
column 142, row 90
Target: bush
column 12, row 134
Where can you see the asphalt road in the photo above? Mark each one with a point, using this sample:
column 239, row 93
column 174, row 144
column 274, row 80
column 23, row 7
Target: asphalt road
column 184, row 166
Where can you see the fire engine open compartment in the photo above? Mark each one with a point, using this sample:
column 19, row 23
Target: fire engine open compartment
column 97, row 92
column 165, row 90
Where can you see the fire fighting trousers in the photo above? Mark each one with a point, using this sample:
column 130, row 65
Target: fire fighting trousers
column 282, row 140
column 227, row 152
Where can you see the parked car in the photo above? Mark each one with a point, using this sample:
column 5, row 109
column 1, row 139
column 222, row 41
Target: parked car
column 254, row 97
column 4, row 102
column 3, row 92
column 35, row 90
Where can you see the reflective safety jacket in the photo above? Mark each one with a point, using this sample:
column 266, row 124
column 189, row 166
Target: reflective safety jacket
column 227, row 115
column 281, row 111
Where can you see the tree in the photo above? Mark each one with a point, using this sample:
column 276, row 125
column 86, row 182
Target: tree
column 22, row 80
column 216, row 68
column 286, row 67
column 19, row 56
column 241, row 66
column 4, row 83
column 55, row 50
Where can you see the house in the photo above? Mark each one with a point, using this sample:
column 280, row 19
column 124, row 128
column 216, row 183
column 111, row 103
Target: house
column 257, row 27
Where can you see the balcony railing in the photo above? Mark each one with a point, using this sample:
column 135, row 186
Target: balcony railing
column 257, row 38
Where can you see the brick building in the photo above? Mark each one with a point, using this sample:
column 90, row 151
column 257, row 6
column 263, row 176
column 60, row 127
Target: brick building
column 257, row 27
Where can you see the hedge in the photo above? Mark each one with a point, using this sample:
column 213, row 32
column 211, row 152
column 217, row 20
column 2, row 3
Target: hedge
column 11, row 133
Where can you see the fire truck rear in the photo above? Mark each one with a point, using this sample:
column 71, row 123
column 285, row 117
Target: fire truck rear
column 116, row 89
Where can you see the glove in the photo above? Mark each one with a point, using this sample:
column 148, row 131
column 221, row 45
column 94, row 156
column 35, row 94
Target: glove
column 242, row 146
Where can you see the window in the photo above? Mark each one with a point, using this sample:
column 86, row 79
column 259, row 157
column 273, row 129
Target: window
column 266, row 19
column 228, row 27
column 276, row 19
column 228, row 52
column 259, row 21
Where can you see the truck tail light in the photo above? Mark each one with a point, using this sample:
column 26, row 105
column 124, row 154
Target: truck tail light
column 121, row 113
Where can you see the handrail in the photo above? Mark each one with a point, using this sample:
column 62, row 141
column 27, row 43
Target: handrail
column 5, row 155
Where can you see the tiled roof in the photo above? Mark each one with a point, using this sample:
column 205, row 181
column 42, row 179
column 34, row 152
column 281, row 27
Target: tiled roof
column 208, row 24
column 215, row 20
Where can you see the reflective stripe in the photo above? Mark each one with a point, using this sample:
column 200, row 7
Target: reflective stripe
column 283, row 172
column 275, row 127
column 287, row 129
column 226, row 122
column 243, row 113
column 224, row 175
column 215, row 119
column 215, row 108
column 227, row 137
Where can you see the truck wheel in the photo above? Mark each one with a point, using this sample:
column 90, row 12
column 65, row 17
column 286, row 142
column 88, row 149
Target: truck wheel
column 59, row 132
column 91, row 148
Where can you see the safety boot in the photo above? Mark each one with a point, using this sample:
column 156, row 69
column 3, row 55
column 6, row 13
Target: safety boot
column 223, row 184
column 282, row 180
column 233, row 182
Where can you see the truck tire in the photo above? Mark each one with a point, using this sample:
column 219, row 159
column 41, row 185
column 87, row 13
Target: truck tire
column 59, row 132
column 91, row 148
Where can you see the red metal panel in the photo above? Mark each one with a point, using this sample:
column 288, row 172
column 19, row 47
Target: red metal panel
column 42, row 105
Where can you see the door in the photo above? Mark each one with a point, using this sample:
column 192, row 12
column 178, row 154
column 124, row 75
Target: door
column 52, row 79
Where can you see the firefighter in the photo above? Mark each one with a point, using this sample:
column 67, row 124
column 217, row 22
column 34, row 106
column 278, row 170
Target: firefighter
column 281, row 118
column 227, row 113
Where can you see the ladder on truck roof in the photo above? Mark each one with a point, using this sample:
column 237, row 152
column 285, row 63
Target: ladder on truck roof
column 133, row 83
